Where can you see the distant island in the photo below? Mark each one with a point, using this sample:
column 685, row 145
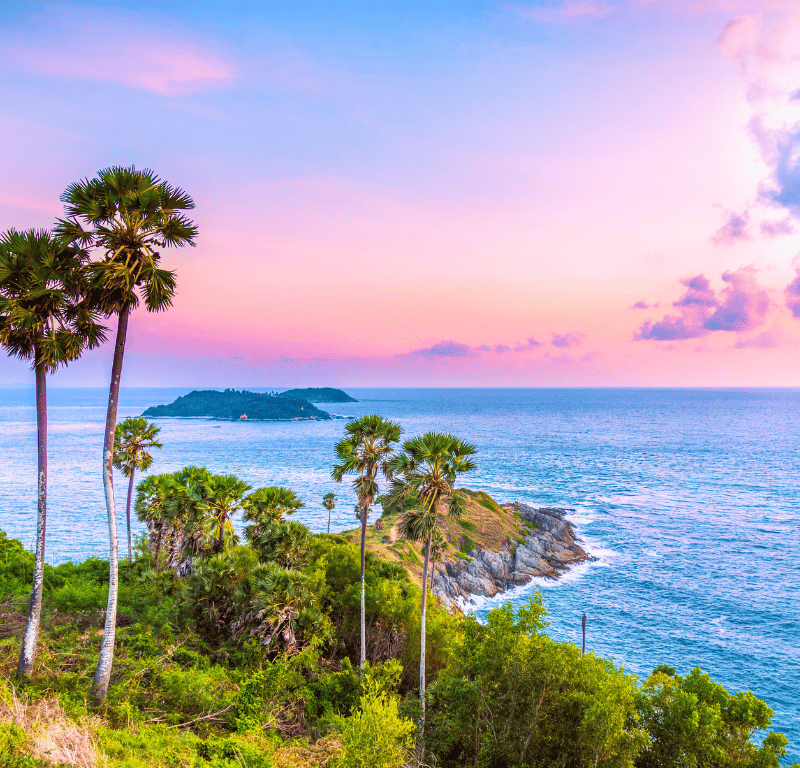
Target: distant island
column 318, row 395
column 236, row 405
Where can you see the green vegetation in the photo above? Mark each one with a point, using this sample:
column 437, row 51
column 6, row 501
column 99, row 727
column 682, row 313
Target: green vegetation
column 236, row 405
column 245, row 662
column 318, row 395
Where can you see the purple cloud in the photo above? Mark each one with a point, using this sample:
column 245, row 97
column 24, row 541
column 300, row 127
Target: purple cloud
column 640, row 305
column 741, row 307
column 733, row 230
column 777, row 228
column 448, row 348
column 744, row 303
column 502, row 348
column 562, row 341
column 792, row 293
column 698, row 293
column 531, row 343
column 671, row 328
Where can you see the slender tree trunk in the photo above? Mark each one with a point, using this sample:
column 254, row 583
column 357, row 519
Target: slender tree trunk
column 28, row 652
column 422, row 642
column 158, row 544
column 102, row 675
column 128, row 512
column 364, row 515
column 329, row 521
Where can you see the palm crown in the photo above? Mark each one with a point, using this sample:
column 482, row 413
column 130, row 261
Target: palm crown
column 128, row 214
column 427, row 468
column 365, row 451
column 132, row 439
column 43, row 315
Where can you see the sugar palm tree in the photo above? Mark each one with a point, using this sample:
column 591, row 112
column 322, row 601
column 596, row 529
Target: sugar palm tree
column 222, row 497
column 153, row 495
column 365, row 452
column 132, row 438
column 427, row 468
column 44, row 319
column 329, row 502
column 127, row 215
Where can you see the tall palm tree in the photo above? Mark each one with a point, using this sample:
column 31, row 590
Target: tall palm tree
column 365, row 452
column 427, row 468
column 329, row 502
column 132, row 438
column 127, row 215
column 43, row 318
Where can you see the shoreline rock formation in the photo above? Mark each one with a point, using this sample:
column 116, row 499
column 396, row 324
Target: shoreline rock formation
column 550, row 548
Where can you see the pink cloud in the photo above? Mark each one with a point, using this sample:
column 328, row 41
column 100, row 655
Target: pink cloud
column 741, row 307
column 115, row 49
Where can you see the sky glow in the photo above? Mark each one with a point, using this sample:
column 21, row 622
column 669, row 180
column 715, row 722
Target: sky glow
column 441, row 194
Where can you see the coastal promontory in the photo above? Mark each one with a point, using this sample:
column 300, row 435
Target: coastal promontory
column 492, row 548
column 237, row 405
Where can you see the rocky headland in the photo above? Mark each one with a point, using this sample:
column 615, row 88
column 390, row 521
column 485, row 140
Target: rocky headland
column 493, row 548
column 550, row 548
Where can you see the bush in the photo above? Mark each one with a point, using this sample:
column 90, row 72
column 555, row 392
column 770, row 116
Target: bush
column 375, row 735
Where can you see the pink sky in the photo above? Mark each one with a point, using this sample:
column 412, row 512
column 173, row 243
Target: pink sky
column 522, row 195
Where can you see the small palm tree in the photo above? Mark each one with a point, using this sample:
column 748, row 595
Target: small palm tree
column 132, row 438
column 268, row 505
column 222, row 497
column 44, row 319
column 329, row 503
column 153, row 496
column 427, row 468
column 128, row 215
column 365, row 452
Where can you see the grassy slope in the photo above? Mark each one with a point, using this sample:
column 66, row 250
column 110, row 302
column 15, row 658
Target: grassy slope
column 485, row 525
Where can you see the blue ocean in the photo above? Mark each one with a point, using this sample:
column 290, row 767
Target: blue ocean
column 688, row 498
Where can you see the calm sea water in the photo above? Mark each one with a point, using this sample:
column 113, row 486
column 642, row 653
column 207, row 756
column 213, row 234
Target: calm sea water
column 688, row 497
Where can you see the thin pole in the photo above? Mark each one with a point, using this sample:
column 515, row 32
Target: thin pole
column 583, row 625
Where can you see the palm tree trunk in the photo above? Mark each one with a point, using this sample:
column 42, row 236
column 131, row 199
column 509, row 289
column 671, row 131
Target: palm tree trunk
column 158, row 544
column 128, row 512
column 28, row 652
column 422, row 641
column 364, row 515
column 102, row 675
column 329, row 521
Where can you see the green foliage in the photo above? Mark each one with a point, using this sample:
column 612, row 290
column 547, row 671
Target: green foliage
column 694, row 721
column 511, row 696
column 375, row 735
column 194, row 683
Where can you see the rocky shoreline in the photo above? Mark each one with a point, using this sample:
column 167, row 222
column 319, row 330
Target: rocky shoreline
column 550, row 547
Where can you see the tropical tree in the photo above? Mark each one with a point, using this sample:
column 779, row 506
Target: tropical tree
column 132, row 438
column 265, row 506
column 45, row 319
column 126, row 215
column 329, row 502
column 365, row 452
column 427, row 468
column 153, row 507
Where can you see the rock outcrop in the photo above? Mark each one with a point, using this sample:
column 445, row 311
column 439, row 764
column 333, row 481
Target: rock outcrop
column 550, row 547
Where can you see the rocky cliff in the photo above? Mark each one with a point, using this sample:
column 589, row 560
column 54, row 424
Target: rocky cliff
column 550, row 547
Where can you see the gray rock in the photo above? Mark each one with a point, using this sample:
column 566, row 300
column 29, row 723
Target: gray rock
column 550, row 548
